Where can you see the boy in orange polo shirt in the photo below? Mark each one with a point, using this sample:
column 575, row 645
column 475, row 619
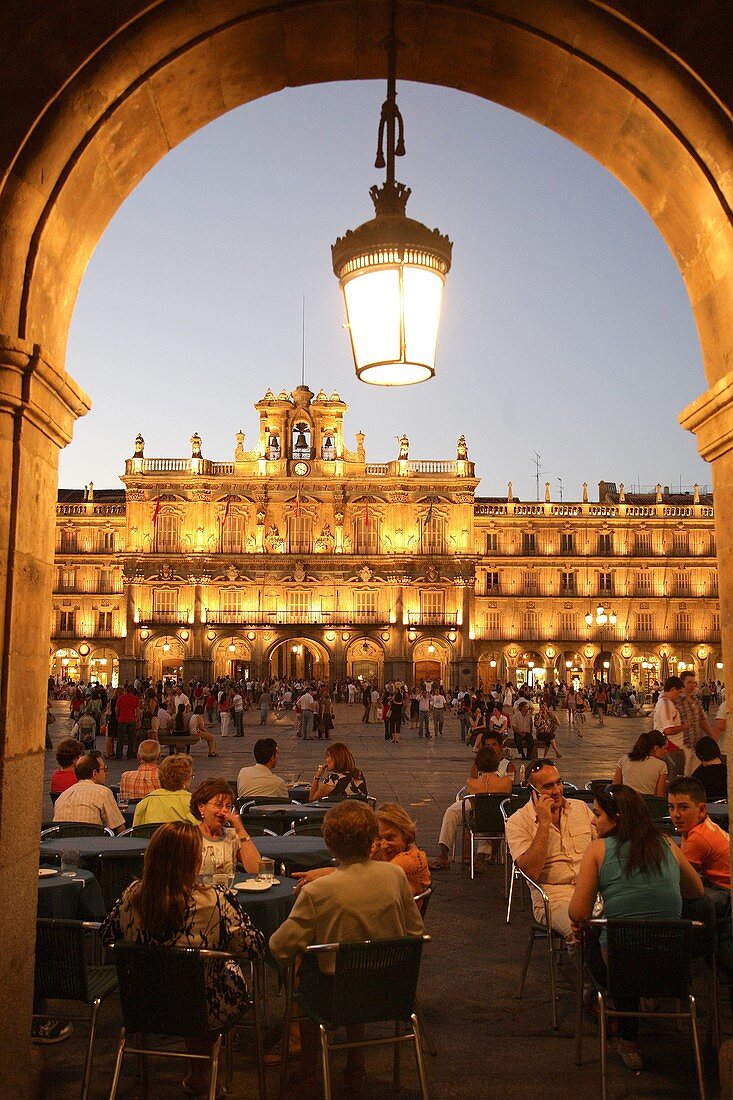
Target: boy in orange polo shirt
column 707, row 847
column 705, row 844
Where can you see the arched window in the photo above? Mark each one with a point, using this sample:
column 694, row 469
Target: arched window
column 301, row 440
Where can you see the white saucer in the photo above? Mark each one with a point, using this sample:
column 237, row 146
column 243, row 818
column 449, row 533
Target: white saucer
column 254, row 884
column 45, row 872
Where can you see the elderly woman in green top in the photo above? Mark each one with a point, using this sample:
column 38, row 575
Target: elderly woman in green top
column 172, row 800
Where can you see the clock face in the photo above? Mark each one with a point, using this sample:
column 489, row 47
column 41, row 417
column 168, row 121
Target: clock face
column 301, row 468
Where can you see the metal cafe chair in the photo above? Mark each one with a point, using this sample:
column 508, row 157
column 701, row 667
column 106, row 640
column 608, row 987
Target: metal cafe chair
column 374, row 982
column 58, row 830
column 657, row 806
column 163, row 993
column 647, row 959
column 598, row 785
column 555, row 944
column 116, row 871
column 483, row 820
column 511, row 874
column 62, row 973
column 422, row 901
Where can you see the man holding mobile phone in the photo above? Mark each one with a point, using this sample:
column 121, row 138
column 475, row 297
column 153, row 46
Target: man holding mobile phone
column 547, row 839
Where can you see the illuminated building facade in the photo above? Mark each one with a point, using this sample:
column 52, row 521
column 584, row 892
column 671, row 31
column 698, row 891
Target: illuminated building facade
column 301, row 558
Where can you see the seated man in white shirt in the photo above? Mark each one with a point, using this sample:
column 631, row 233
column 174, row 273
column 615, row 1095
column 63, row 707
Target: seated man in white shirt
column 260, row 781
column 89, row 799
column 547, row 839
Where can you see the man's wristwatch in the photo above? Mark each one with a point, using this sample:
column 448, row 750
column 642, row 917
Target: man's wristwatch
column 243, row 839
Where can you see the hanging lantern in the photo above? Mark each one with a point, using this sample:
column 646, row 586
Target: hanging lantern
column 392, row 269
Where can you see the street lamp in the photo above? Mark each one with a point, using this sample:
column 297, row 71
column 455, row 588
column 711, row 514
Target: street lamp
column 392, row 269
column 601, row 616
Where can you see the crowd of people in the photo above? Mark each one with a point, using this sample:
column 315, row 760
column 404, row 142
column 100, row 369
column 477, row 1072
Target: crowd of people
column 574, row 850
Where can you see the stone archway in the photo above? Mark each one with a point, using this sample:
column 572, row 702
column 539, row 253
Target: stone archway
column 92, row 103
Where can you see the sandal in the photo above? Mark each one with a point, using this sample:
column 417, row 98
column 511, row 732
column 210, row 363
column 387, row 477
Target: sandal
column 440, row 863
column 212, row 754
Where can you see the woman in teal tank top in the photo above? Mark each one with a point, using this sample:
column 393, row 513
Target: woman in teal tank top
column 640, row 875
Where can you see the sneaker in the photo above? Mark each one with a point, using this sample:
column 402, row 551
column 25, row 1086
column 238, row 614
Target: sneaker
column 50, row 1030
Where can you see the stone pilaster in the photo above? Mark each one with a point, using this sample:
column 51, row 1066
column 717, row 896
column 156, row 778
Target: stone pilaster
column 38, row 407
column 711, row 419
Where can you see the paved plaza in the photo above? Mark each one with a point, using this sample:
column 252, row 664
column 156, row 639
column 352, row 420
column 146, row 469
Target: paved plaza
column 489, row 1043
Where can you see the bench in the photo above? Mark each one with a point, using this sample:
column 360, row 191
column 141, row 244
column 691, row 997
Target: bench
column 176, row 742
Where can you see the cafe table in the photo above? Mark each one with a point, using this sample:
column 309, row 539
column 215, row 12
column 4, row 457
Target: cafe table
column 65, row 898
column 280, row 816
column 91, row 847
column 267, row 909
column 299, row 853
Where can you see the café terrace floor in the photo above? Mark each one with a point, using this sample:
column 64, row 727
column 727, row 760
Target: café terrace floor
column 489, row 1043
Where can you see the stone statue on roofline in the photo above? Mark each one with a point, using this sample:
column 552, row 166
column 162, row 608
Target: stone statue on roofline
column 462, row 449
column 139, row 446
column 195, row 445
column 404, row 446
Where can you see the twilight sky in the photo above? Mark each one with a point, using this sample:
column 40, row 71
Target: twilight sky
column 566, row 327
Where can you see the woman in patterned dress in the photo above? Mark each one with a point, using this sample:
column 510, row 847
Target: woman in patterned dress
column 168, row 907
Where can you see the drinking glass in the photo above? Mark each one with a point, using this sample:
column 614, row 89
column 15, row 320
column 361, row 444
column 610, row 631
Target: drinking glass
column 69, row 862
column 123, row 801
column 266, row 871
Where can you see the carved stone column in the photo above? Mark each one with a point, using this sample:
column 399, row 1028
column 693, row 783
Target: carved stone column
column 38, row 407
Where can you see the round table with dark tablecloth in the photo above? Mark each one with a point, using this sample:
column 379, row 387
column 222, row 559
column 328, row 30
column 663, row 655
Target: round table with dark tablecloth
column 267, row 909
column 90, row 848
column 299, row 853
column 66, row 898
column 280, row 816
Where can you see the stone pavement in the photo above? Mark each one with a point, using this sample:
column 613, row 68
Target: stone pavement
column 489, row 1043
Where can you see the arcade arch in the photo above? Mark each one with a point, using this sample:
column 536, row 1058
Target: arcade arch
column 164, row 655
column 365, row 660
column 298, row 659
column 431, row 661
column 231, row 656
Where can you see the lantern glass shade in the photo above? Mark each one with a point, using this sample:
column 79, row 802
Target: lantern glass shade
column 393, row 313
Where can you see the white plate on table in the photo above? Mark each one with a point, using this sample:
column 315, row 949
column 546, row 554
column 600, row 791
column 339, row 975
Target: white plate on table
column 45, row 872
column 253, row 884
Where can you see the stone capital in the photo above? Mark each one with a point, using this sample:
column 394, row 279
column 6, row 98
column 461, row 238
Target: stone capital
column 31, row 385
column 710, row 417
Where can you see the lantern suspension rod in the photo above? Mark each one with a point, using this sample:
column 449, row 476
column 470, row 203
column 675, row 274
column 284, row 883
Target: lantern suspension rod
column 391, row 116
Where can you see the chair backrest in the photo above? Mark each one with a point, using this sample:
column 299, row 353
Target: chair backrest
column 580, row 795
column 513, row 803
column 598, row 784
column 649, row 958
column 255, row 826
column 59, row 829
column 376, row 980
column 308, row 828
column 656, row 805
column 423, row 900
column 116, row 871
column 61, row 970
column 162, row 990
column 145, row 831
column 487, row 816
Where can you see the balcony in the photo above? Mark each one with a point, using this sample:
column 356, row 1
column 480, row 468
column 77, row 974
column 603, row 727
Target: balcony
column 170, row 618
column 431, row 618
column 295, row 618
